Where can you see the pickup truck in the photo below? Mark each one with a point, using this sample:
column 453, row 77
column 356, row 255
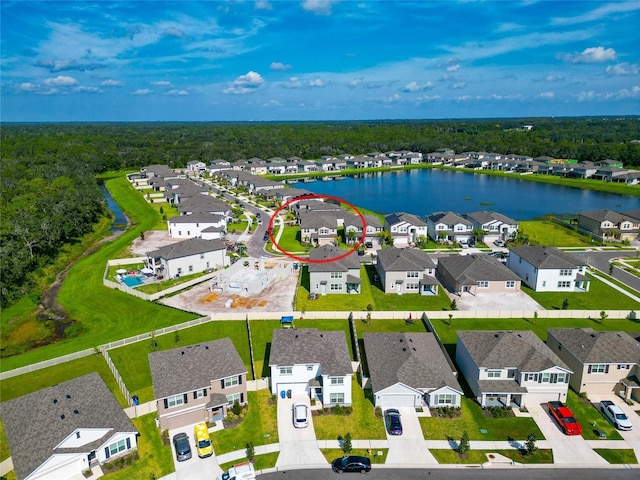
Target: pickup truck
column 615, row 415
column 563, row 415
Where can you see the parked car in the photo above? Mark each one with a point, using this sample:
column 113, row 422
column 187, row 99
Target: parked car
column 300, row 415
column 351, row 464
column 203, row 442
column 463, row 244
column 265, row 238
column 181, row 444
column 392, row 421
column 499, row 243
column 368, row 245
column 361, row 253
column 564, row 416
column 258, row 214
column 615, row 415
column 240, row 471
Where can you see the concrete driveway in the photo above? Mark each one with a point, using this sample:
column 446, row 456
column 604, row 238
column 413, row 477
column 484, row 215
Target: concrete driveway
column 408, row 448
column 567, row 450
column 496, row 301
column 298, row 446
column 632, row 437
column 195, row 468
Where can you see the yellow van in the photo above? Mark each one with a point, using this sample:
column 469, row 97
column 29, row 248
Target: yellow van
column 203, row 442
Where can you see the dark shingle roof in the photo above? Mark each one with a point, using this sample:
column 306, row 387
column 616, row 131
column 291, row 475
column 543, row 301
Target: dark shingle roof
column 185, row 369
column 394, row 218
column 404, row 259
column 590, row 346
column 413, row 359
column 602, row 215
column 327, row 252
column 308, row 345
column 546, row 257
column 203, row 203
column 485, row 216
column 521, row 349
column 474, row 268
column 448, row 218
column 193, row 246
column 36, row 423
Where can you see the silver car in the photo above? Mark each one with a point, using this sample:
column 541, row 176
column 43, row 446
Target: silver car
column 300, row 415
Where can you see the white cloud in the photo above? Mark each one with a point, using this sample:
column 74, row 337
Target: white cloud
column 416, row 87
column 181, row 93
column 496, row 96
column 592, row 55
column 263, row 5
column 279, row 66
column 547, row 95
column 142, row 91
column 272, row 103
column 61, row 81
column 51, row 91
column 510, row 27
column 111, row 83
column 459, row 85
column 427, row 98
column 161, row 83
column 27, row 87
column 294, row 82
column 392, row 99
column 245, row 84
column 319, row 7
column 173, row 32
column 464, row 98
column 87, row 90
column 598, row 13
column 554, row 78
column 453, row 68
column 317, row 83
column 621, row 94
column 624, row 69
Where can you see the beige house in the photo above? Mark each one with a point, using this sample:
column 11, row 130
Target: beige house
column 609, row 225
column 602, row 362
column 197, row 383
column 476, row 274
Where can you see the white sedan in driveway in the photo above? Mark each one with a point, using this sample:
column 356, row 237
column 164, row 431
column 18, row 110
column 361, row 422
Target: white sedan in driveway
column 300, row 415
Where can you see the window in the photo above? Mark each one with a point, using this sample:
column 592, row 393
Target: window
column 286, row 370
column 483, row 284
column 598, row 368
column 117, row 447
column 190, row 268
column 493, row 373
column 337, row 398
column 564, row 284
column 445, row 398
column 236, row 397
column 544, row 283
column 337, row 380
column 309, row 367
column 565, row 272
column 336, row 274
column 412, row 274
column 511, row 284
column 231, row 381
column 175, row 400
column 544, row 378
column 202, row 256
column 200, row 393
column 530, row 377
column 77, row 434
column 336, row 286
column 412, row 286
column 624, row 366
column 180, row 271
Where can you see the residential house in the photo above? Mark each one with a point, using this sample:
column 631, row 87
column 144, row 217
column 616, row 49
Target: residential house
column 311, row 362
column 329, row 273
column 449, row 226
column 191, row 226
column 196, row 167
column 494, row 225
column 604, row 363
column 59, row 432
column 319, row 229
column 548, row 269
column 608, row 225
column 406, row 270
column 197, row 383
column 374, row 227
column 194, row 255
column 476, row 274
column 512, row 368
column 584, row 169
column 405, row 228
column 204, row 204
column 609, row 163
column 410, row 369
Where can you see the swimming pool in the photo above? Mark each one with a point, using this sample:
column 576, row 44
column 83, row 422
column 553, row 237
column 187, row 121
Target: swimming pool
column 132, row 281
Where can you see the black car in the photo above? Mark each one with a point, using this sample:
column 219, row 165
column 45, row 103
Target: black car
column 265, row 238
column 368, row 245
column 392, row 421
column 183, row 449
column 351, row 464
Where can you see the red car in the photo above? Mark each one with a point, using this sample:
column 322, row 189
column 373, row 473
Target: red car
column 564, row 416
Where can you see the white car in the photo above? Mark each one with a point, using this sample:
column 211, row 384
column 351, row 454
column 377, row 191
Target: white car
column 300, row 415
column 499, row 243
column 615, row 415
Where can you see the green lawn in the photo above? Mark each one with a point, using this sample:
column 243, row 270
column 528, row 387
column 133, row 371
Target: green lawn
column 133, row 364
column 4, row 446
column 262, row 462
column 546, row 232
column 290, row 240
column 474, row 457
column 361, row 423
column 240, row 226
column 472, row 420
column 261, row 420
column 332, row 453
column 104, row 315
column 617, row 456
column 599, row 297
column 590, row 418
column 155, row 460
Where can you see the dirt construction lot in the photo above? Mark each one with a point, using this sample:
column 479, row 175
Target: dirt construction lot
column 496, row 301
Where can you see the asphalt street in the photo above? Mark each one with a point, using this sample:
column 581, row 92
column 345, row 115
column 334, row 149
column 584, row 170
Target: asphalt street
column 600, row 260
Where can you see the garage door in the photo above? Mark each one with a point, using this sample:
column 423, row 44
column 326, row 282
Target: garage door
column 72, row 469
column 294, row 387
column 396, row 401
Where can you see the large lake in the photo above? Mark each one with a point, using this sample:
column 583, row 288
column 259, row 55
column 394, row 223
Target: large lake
column 425, row 191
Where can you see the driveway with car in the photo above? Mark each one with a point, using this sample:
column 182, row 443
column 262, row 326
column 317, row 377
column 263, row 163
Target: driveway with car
column 632, row 437
column 298, row 446
column 408, row 448
column 195, row 468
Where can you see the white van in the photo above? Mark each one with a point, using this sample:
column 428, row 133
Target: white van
column 240, row 471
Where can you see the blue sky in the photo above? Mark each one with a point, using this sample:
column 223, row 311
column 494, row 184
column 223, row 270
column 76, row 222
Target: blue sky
column 317, row 60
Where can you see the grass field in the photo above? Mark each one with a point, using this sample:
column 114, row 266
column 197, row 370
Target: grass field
column 290, row 240
column 475, row 457
column 262, row 462
column 546, row 232
column 617, row 456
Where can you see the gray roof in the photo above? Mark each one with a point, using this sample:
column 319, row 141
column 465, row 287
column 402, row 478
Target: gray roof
column 308, row 345
column 185, row 369
column 327, row 252
column 394, row 218
column 483, row 217
column 547, row 257
column 197, row 218
column 36, row 423
column 203, row 203
column 404, row 259
column 448, row 218
column 467, row 269
column 590, row 346
column 315, row 220
column 413, row 359
column 602, row 215
column 521, row 349
column 192, row 246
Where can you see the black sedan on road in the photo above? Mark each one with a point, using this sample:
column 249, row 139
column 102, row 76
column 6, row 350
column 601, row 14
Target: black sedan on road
column 351, row 463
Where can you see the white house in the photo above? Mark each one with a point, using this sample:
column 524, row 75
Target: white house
column 316, row 363
column 195, row 167
column 190, row 256
column 409, row 369
column 494, row 225
column 191, row 226
column 405, row 228
column 548, row 269
column 513, row 368
column 449, row 226
column 59, row 432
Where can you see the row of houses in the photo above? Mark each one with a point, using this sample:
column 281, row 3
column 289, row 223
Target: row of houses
column 609, row 225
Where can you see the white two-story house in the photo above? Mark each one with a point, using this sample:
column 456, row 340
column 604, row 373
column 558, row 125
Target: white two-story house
column 192, row 226
column 189, row 256
column 513, row 368
column 405, row 228
column 312, row 362
column 449, row 226
column 494, row 225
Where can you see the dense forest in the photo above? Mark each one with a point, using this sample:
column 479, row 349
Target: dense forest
column 49, row 197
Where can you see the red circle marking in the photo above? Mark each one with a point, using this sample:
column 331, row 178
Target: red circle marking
column 310, row 196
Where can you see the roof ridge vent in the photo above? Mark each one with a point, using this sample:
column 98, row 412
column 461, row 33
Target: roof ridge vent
column 76, row 411
column 68, row 396
column 55, row 400
column 61, row 417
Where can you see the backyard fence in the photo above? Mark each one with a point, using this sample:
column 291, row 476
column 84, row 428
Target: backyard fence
column 116, row 375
